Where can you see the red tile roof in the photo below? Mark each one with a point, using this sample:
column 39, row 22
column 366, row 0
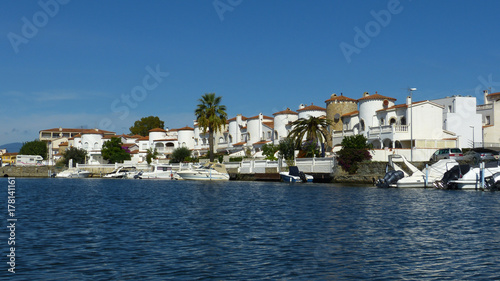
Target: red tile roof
column 376, row 97
column 157, row 130
column 166, row 140
column 286, row 111
column 187, row 128
column 269, row 124
column 63, row 143
column 312, row 107
column 401, row 106
column 243, row 118
column 143, row 138
column 351, row 113
column 340, row 98
column 263, row 116
column 260, row 142
column 239, row 143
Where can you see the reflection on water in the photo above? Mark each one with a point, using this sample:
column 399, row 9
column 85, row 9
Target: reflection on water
column 132, row 229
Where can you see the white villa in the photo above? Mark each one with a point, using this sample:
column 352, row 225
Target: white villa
column 490, row 112
column 447, row 122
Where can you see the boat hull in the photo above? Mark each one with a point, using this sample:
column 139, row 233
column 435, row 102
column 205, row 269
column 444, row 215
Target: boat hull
column 202, row 176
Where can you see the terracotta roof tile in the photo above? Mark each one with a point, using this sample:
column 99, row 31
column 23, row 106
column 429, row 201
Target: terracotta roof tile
column 166, row 140
column 286, row 111
column 239, row 143
column 261, row 142
column 312, row 107
column 351, row 113
column 376, row 97
column 340, row 98
column 243, row 118
column 269, row 124
column 263, row 116
column 157, row 130
column 143, row 138
column 187, row 128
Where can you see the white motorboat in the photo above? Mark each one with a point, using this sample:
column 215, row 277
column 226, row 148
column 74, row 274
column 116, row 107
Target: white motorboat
column 209, row 172
column 425, row 178
column 73, row 173
column 477, row 178
column 294, row 175
column 428, row 175
column 122, row 172
column 161, row 172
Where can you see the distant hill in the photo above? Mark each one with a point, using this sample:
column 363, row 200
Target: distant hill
column 12, row 147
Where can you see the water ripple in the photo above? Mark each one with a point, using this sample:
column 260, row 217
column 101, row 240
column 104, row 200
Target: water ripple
column 117, row 229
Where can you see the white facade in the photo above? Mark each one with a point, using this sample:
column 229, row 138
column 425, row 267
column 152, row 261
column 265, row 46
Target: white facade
column 310, row 111
column 460, row 117
column 282, row 121
column 185, row 137
column 490, row 112
column 256, row 130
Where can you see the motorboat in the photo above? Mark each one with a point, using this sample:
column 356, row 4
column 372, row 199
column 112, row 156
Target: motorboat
column 428, row 175
column 160, row 171
column 398, row 177
column 122, row 172
column 73, row 173
column 486, row 176
column 210, row 171
column 294, row 175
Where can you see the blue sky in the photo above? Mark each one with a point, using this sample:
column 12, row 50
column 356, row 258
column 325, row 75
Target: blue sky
column 71, row 63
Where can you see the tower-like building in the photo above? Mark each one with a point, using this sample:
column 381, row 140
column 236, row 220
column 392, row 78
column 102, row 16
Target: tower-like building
column 337, row 106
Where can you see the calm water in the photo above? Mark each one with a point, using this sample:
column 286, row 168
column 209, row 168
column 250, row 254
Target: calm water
column 93, row 229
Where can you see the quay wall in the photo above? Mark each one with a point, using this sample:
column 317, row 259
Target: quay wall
column 367, row 172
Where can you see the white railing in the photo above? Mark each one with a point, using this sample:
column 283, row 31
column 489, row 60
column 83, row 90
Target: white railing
column 306, row 165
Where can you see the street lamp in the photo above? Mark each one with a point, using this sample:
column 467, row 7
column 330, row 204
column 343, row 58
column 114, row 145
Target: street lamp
column 472, row 136
column 411, row 123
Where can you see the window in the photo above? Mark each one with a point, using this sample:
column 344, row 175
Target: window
column 449, row 108
column 381, row 121
column 96, row 145
column 269, row 134
column 392, row 121
column 488, row 120
column 362, row 123
column 86, row 146
column 403, row 120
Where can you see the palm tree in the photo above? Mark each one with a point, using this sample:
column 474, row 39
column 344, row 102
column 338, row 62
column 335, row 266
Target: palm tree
column 211, row 116
column 311, row 129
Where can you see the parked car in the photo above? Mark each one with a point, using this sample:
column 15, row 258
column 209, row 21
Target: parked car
column 476, row 155
column 447, row 153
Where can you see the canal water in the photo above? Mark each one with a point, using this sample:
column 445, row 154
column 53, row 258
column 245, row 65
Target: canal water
column 98, row 229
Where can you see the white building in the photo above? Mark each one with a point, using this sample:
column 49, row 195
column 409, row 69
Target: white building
column 282, row 124
column 460, row 117
column 490, row 112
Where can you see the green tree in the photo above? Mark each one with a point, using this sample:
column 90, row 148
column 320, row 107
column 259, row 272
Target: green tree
column 211, row 117
column 286, row 150
column 151, row 154
column 355, row 149
column 312, row 129
column 36, row 147
column 142, row 127
column 180, row 154
column 269, row 150
column 77, row 154
column 113, row 151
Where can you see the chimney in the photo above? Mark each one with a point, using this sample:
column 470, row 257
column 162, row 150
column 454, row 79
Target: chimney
column 302, row 106
column 486, row 101
column 408, row 100
column 365, row 94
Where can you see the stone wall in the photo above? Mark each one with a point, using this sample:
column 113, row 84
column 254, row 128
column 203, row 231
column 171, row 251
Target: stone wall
column 28, row 171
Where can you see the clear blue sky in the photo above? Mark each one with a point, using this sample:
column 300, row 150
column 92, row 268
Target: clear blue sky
column 260, row 56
